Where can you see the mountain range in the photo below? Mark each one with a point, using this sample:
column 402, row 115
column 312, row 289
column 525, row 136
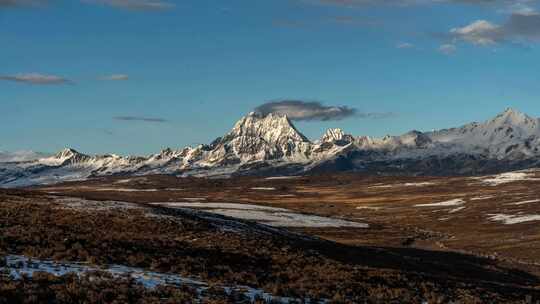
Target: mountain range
column 271, row 145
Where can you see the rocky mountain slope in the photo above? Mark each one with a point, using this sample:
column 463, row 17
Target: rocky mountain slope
column 270, row 144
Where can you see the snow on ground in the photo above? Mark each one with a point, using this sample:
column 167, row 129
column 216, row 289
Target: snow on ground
column 368, row 208
column 514, row 219
column 452, row 202
column 525, row 202
column 508, row 177
column 480, row 198
column 276, row 217
column 263, row 188
column 419, row 184
column 281, row 177
column 219, row 206
column 456, row 209
column 125, row 189
column 123, row 181
column 17, row 266
column 288, row 219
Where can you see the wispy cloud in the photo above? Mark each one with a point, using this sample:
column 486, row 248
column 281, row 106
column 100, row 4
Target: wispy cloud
column 36, row 78
column 404, row 45
column 146, row 5
column 358, row 3
column 313, row 110
column 21, row 3
column 352, row 21
column 140, row 118
column 447, row 49
column 114, row 77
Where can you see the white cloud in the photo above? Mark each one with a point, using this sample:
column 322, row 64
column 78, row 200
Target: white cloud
column 520, row 27
column 480, row 32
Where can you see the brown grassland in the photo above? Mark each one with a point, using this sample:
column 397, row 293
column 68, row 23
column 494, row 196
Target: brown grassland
column 409, row 254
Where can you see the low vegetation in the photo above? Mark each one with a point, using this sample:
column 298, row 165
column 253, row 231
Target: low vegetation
column 174, row 241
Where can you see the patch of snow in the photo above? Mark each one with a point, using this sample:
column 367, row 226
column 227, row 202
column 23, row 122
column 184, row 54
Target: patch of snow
column 479, row 198
column 456, row 209
column 452, row 202
column 218, row 206
column 125, row 189
column 514, row 219
column 420, row 184
column 263, row 188
column 276, row 217
column 17, row 266
column 508, row 177
column 368, row 207
column 123, row 181
column 288, row 219
column 281, row 177
column 525, row 202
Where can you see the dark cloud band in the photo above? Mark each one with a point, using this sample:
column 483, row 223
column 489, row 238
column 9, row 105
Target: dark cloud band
column 313, row 110
column 35, row 78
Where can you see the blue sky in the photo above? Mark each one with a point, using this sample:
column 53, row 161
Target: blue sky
column 135, row 76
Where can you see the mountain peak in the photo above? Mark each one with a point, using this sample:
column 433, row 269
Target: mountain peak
column 66, row 153
column 512, row 116
column 272, row 127
column 333, row 134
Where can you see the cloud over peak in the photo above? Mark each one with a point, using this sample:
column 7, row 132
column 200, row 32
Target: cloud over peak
column 305, row 110
column 313, row 111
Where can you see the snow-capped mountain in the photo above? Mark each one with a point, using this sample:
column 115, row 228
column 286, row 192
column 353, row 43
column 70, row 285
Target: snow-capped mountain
column 509, row 134
column 254, row 138
column 270, row 144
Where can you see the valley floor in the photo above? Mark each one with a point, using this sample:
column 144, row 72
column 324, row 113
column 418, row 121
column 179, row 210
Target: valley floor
column 335, row 238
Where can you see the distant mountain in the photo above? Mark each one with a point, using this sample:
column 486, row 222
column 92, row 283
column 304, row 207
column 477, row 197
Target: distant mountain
column 265, row 145
column 20, row 156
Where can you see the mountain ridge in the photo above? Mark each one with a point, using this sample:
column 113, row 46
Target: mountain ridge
column 271, row 144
